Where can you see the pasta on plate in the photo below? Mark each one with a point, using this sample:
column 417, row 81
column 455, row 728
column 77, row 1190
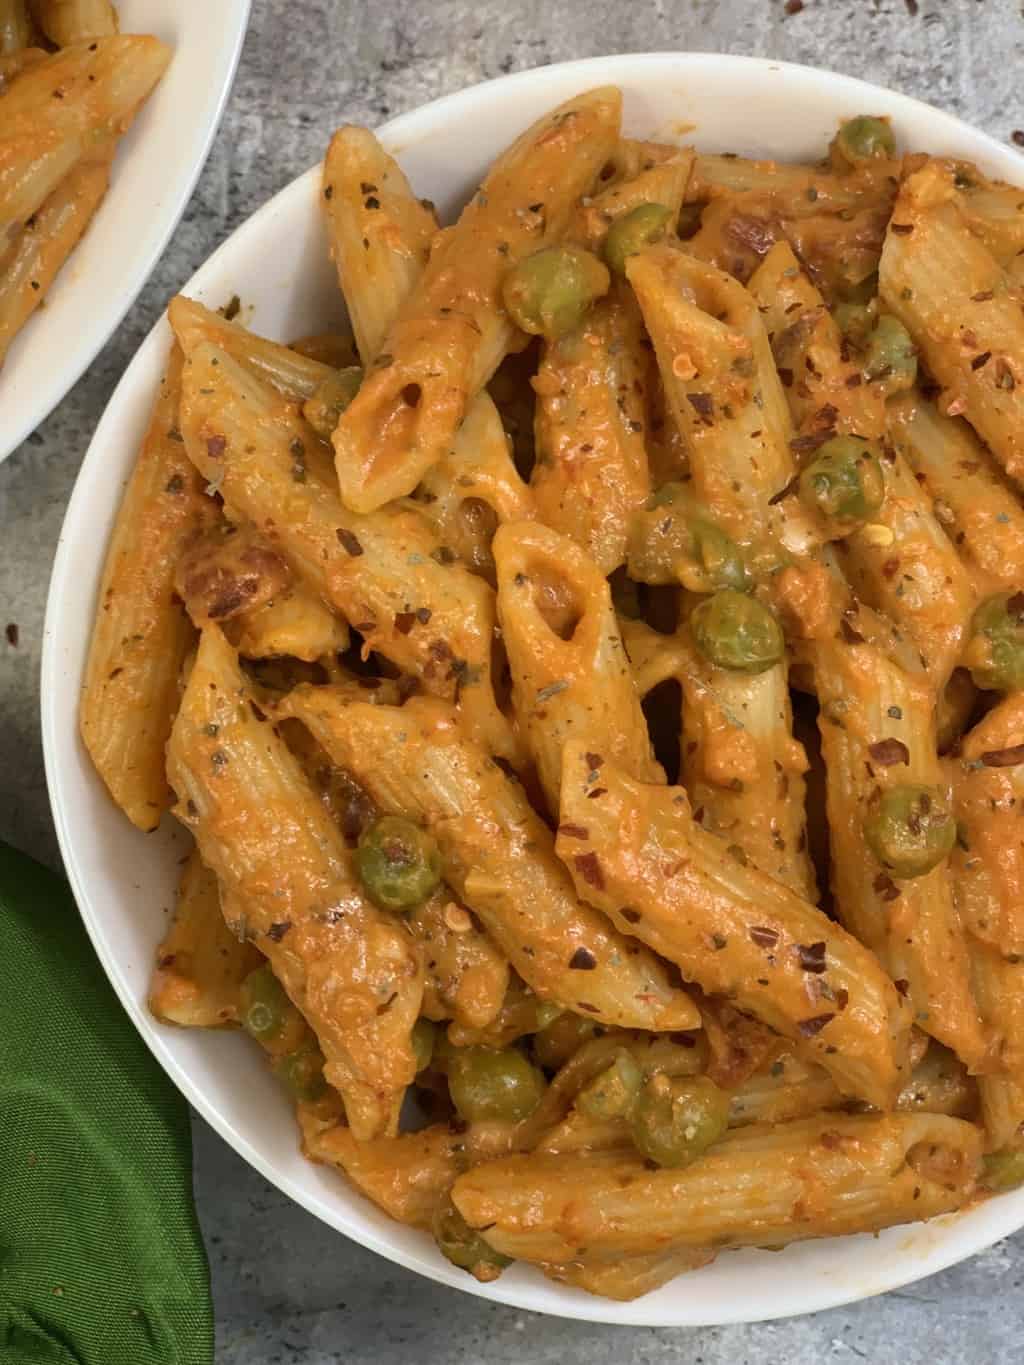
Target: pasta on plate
column 594, row 688
column 70, row 85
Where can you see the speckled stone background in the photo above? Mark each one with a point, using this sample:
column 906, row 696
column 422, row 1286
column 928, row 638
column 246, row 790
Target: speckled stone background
column 288, row 1289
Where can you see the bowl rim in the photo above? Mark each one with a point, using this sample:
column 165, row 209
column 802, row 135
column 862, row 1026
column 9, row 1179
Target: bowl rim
column 403, row 131
column 238, row 17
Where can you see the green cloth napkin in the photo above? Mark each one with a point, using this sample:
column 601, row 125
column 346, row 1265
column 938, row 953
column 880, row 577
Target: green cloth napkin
column 101, row 1259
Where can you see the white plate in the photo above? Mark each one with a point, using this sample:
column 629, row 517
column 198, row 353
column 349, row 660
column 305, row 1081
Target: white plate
column 156, row 169
column 124, row 880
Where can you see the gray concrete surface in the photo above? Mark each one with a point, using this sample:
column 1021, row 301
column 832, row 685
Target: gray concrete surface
column 287, row 1289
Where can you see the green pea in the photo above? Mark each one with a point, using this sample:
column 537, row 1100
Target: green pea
column 719, row 556
column 642, row 226
column 865, row 137
column 465, row 1248
column 613, row 1093
column 995, row 654
column 911, row 830
column 266, row 1011
column 675, row 1120
column 1003, row 1170
column 554, row 1044
column 323, row 409
column 399, row 863
column 488, row 1084
column 302, row 1071
column 549, row 293
column 734, row 631
column 891, row 359
column 423, row 1035
column 844, row 481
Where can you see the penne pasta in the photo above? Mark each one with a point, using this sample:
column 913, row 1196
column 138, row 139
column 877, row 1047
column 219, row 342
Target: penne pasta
column 591, row 471
column 354, row 972
column 636, row 852
column 384, row 573
column 949, row 292
column 75, row 21
column 452, row 331
column 663, row 183
column 45, row 243
column 467, row 976
column 200, row 964
column 560, row 633
column 142, row 635
column 760, row 1186
column 878, row 735
column 498, row 856
column 15, row 27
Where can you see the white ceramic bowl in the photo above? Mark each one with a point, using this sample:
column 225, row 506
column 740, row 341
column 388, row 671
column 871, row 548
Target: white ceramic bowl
column 124, row 881
column 156, row 169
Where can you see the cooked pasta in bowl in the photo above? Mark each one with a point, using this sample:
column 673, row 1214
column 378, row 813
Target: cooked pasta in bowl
column 547, row 673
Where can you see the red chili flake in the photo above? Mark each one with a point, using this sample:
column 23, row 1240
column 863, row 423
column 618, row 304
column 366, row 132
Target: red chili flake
column 404, row 621
column 216, row 446
column 277, row 931
column 583, row 960
column 594, row 761
column 983, row 297
column 764, row 937
column 854, row 381
column 349, row 542
column 980, row 361
column 574, row 831
column 801, row 445
column 589, row 868
column 831, row 1141
column 785, row 375
column 423, row 615
column 891, row 568
column 812, row 956
column 598, row 791
column 1003, row 758
column 11, row 632
column 630, row 916
column 704, row 406
column 902, row 229
column 810, row 1027
column 849, row 634
column 889, row 752
column 842, row 998
column 885, row 887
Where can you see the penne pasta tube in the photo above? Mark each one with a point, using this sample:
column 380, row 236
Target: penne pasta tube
column 200, row 964
column 141, row 633
column 75, row 21
column 498, row 857
column 632, row 1276
column 765, row 1185
column 380, row 233
column 354, row 972
column 591, row 471
column 723, row 392
column 384, row 572
column 877, row 737
column 949, row 292
column 570, row 673
column 291, row 373
column 45, row 243
column 998, row 981
column 636, row 853
column 452, row 331
column 102, row 85
column 968, row 492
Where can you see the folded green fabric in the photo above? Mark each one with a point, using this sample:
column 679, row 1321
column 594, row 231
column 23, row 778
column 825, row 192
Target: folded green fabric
column 101, row 1259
